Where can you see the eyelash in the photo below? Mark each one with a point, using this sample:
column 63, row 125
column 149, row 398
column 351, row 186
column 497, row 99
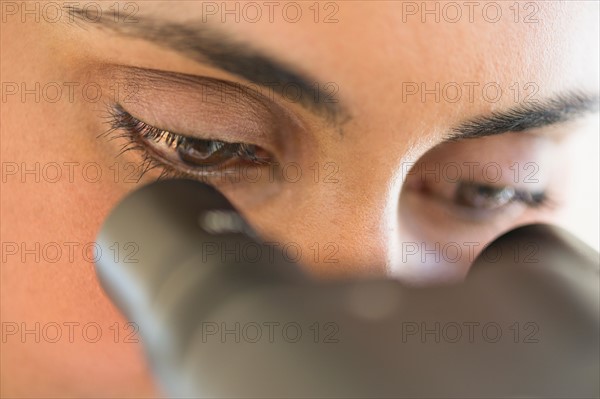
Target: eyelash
column 123, row 125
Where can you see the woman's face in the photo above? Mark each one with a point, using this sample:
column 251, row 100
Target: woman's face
column 366, row 138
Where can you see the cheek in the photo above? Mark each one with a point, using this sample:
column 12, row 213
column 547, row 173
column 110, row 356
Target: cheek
column 57, row 188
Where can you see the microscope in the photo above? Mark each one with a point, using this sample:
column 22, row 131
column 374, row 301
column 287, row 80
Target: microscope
column 256, row 326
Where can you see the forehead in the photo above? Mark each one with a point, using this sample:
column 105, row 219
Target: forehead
column 405, row 38
column 372, row 47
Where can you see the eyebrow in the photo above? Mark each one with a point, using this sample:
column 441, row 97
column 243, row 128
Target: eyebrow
column 541, row 113
column 217, row 49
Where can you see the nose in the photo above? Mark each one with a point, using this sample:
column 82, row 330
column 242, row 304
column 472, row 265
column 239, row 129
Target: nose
column 345, row 229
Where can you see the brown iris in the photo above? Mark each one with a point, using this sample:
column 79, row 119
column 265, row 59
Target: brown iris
column 206, row 153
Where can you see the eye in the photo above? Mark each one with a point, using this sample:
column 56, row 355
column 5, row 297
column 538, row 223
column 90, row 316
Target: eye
column 473, row 197
column 477, row 197
column 179, row 154
column 482, row 196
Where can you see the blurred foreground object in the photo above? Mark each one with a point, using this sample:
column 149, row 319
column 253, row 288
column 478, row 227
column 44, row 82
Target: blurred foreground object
column 222, row 314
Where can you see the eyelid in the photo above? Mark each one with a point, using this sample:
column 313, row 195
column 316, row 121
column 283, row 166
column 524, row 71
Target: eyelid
column 179, row 102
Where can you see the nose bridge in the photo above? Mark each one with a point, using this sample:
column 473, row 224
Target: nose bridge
column 359, row 230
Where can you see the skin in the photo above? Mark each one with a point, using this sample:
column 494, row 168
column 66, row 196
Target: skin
column 361, row 215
